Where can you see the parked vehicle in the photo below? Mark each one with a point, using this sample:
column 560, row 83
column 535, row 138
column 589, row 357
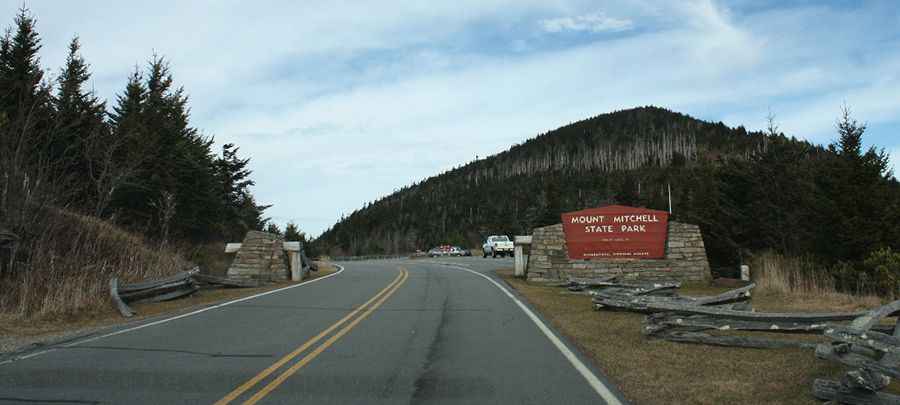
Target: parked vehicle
column 497, row 245
column 444, row 250
column 464, row 252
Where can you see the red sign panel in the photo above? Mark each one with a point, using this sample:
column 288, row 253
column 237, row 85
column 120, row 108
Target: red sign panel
column 616, row 232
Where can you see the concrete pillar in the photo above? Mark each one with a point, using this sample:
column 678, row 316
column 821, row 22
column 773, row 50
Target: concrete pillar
column 521, row 260
column 296, row 266
column 745, row 272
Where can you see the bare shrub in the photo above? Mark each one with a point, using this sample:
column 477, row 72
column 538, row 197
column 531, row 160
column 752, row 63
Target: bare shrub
column 803, row 278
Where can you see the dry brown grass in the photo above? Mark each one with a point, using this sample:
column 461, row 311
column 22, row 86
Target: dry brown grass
column 652, row 371
column 70, row 260
column 802, row 285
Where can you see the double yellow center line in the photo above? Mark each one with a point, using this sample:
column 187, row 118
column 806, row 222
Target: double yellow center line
column 366, row 308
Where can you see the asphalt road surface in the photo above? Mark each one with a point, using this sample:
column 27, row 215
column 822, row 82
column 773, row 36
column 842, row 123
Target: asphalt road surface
column 404, row 332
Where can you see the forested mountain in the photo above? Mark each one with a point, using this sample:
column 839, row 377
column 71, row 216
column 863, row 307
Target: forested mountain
column 748, row 191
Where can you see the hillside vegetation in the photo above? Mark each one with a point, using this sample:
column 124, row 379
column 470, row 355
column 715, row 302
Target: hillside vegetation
column 89, row 191
column 749, row 191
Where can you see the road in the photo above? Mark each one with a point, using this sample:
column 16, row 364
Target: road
column 403, row 331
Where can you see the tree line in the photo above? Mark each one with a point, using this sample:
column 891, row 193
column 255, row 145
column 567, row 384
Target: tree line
column 138, row 163
column 748, row 191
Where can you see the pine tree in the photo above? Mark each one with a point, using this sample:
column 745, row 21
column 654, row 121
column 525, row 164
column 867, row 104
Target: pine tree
column 20, row 70
column 130, row 198
column 234, row 178
column 273, row 229
column 79, row 123
column 856, row 195
column 251, row 213
column 292, row 233
column 25, row 99
column 176, row 159
column 849, row 144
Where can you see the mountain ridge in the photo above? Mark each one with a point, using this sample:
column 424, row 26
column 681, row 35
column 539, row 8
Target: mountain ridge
column 629, row 157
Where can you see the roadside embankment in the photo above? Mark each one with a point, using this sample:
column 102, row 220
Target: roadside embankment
column 65, row 261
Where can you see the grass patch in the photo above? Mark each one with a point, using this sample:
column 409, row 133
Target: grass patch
column 654, row 371
column 65, row 264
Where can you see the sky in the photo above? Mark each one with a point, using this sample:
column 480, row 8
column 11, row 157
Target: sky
column 339, row 103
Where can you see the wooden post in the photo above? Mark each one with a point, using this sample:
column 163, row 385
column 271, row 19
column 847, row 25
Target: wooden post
column 521, row 259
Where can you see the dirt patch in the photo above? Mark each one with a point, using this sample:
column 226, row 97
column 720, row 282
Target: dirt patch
column 18, row 334
column 653, row 371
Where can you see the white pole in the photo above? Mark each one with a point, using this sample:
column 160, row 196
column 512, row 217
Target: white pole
column 520, row 261
column 296, row 266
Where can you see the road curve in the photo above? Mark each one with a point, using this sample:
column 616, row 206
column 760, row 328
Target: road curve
column 388, row 332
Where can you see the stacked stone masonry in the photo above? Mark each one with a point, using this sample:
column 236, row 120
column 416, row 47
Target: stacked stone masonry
column 261, row 257
column 685, row 258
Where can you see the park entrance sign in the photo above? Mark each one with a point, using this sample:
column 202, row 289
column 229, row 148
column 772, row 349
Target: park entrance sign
column 616, row 232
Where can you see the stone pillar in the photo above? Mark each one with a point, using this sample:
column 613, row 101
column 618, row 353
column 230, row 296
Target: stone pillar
column 260, row 258
column 278, row 270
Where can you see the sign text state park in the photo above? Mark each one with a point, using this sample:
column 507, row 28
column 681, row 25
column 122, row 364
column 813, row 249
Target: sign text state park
column 616, row 232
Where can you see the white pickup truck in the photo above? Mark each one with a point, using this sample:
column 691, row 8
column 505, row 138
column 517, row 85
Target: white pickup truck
column 497, row 246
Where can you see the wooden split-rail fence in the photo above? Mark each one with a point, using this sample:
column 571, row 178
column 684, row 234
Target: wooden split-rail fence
column 860, row 340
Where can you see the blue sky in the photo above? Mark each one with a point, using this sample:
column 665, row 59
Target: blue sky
column 340, row 103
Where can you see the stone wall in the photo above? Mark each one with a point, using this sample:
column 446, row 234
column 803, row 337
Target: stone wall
column 261, row 257
column 685, row 258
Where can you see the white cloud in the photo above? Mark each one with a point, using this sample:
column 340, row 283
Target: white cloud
column 338, row 104
column 594, row 22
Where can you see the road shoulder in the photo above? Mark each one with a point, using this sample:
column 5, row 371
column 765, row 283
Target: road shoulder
column 22, row 337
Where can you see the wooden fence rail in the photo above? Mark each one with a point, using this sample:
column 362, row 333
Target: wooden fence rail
column 859, row 340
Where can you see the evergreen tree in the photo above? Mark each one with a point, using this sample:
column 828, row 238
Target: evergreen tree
column 251, row 213
column 25, row 99
column 80, row 117
column 131, row 198
column 857, row 195
column 552, row 205
column 142, row 164
column 177, row 160
column 273, row 229
column 20, row 71
column 292, row 233
column 234, row 178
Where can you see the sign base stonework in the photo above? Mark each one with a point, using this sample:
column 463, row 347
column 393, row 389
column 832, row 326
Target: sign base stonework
column 685, row 258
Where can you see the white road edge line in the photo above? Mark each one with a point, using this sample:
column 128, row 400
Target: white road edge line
column 585, row 372
column 162, row 321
